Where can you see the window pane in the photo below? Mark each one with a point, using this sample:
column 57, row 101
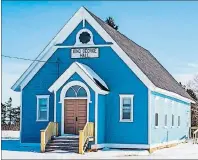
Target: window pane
column 70, row 93
column 127, row 101
column 82, row 92
column 126, row 108
column 76, row 88
column 42, row 104
column 42, row 110
column 172, row 120
column 178, row 120
column 42, row 115
column 156, row 119
column 166, row 120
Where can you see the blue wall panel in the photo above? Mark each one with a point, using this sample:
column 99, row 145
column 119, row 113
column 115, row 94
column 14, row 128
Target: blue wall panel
column 101, row 119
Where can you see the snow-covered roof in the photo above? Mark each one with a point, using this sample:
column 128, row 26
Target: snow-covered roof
column 86, row 73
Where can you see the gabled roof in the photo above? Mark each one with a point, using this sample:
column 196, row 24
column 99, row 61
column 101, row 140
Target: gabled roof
column 86, row 73
column 138, row 59
column 156, row 73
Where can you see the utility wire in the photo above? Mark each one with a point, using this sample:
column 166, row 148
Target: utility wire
column 26, row 59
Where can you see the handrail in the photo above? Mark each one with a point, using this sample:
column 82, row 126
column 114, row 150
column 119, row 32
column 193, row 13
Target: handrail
column 192, row 129
column 46, row 134
column 195, row 137
column 84, row 135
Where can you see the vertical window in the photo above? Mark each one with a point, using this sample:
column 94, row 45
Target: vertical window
column 178, row 121
column 165, row 120
column 156, row 120
column 126, row 108
column 172, row 120
column 42, row 107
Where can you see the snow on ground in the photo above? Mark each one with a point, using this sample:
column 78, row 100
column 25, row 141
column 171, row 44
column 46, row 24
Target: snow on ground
column 10, row 134
column 182, row 151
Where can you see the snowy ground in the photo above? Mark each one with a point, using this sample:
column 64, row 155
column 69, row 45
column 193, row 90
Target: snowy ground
column 182, row 151
column 10, row 134
column 11, row 149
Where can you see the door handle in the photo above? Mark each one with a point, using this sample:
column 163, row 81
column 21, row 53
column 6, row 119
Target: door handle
column 76, row 118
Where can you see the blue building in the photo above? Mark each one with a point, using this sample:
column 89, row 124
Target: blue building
column 92, row 73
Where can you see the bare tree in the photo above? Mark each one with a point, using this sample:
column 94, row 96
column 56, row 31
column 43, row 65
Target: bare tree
column 193, row 84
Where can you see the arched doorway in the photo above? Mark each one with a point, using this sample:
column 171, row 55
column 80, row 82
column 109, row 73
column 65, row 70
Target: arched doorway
column 75, row 108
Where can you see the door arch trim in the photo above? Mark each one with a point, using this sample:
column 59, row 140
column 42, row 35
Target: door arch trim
column 62, row 98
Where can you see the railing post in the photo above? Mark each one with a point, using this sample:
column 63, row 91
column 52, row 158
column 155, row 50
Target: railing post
column 81, row 143
column 42, row 141
column 56, row 128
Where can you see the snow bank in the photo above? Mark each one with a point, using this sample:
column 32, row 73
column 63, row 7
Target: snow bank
column 10, row 134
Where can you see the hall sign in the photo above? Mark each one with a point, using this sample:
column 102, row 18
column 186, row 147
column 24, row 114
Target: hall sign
column 84, row 52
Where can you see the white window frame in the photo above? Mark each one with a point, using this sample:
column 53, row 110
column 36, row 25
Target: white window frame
column 156, row 109
column 121, row 107
column 37, row 112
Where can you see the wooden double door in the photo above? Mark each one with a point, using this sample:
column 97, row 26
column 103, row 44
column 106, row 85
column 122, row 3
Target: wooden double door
column 75, row 115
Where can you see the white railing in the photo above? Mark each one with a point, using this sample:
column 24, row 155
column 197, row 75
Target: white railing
column 195, row 137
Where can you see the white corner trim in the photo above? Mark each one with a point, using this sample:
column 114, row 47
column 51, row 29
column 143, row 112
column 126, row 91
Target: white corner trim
column 54, row 106
column 116, row 145
column 37, row 110
column 21, row 109
column 62, row 98
column 75, row 68
column 96, row 117
column 149, row 117
column 121, row 107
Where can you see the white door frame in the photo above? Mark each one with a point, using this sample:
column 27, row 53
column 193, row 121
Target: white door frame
column 62, row 98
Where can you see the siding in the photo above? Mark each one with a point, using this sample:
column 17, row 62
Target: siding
column 167, row 105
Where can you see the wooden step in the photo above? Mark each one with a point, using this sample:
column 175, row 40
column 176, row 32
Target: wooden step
column 62, row 144
column 65, row 148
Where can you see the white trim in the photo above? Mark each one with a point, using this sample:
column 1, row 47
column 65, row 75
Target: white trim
column 37, row 110
column 121, row 107
column 149, row 116
column 115, row 145
column 174, row 95
column 54, row 106
column 96, row 117
column 78, row 35
column 62, row 97
column 85, row 46
column 75, row 68
column 79, row 16
column 21, row 114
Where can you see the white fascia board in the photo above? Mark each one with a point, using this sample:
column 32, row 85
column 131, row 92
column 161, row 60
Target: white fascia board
column 64, row 33
column 74, row 68
column 172, row 94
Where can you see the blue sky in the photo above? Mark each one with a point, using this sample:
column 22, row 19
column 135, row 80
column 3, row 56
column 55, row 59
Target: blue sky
column 169, row 30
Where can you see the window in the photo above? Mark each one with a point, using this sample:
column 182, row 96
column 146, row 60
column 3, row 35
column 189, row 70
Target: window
column 76, row 91
column 165, row 120
column 42, row 107
column 178, row 121
column 156, row 120
column 172, row 120
column 126, row 108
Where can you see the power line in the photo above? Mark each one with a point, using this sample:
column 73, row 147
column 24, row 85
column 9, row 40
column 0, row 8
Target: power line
column 27, row 59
